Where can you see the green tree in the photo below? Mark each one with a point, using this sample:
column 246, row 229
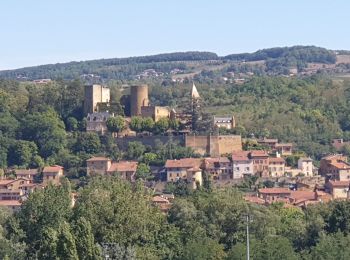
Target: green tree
column 42, row 210
column 21, row 153
column 162, row 125
column 46, row 130
column 136, row 124
column 66, row 248
column 135, row 150
column 333, row 246
column 143, row 172
column 72, row 124
column 85, row 242
column 87, row 142
column 115, row 124
column 147, row 124
column 204, row 249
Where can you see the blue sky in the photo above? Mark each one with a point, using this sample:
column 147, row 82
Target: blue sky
column 50, row 31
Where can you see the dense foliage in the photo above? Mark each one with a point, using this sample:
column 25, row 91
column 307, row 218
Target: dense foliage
column 112, row 217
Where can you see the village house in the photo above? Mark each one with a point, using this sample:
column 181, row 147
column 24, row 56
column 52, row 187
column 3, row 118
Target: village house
column 104, row 165
column 268, row 142
column 285, row 149
column 335, row 167
column 162, row 202
column 260, row 163
column 241, row 164
column 326, row 163
column 187, row 169
column 125, row 169
column 300, row 198
column 29, row 174
column 52, row 174
column 10, row 184
column 276, row 167
column 339, row 143
column 339, row 189
column 218, row 168
column 98, row 165
column 306, row 166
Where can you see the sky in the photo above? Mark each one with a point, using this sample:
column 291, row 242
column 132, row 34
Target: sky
column 39, row 32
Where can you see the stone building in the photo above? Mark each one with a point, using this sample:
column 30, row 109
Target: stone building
column 155, row 112
column 214, row 145
column 96, row 122
column 95, row 94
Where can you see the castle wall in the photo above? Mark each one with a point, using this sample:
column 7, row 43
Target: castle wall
column 214, row 145
column 156, row 112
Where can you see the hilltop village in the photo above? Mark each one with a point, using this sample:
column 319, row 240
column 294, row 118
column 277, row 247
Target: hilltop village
column 260, row 165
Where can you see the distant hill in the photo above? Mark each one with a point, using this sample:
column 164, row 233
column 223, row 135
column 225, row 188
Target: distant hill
column 272, row 61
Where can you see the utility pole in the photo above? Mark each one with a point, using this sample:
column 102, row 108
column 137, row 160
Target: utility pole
column 248, row 251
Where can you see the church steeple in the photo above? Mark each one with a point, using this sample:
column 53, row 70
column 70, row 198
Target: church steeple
column 194, row 92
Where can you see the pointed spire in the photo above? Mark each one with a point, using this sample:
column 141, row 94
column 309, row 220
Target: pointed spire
column 194, row 92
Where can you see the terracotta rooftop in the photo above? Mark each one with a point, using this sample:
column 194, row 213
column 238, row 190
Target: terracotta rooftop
column 240, row 156
column 6, row 181
column 55, row 168
column 210, row 162
column 94, row 159
column 254, row 199
column 302, row 195
column 183, row 163
column 258, row 153
column 339, row 184
column 277, row 159
column 340, row 165
column 275, row 191
column 123, row 166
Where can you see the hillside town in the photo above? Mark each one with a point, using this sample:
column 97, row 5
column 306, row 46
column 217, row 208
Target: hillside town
column 223, row 160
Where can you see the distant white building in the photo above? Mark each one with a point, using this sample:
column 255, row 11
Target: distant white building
column 305, row 166
column 241, row 164
column 227, row 122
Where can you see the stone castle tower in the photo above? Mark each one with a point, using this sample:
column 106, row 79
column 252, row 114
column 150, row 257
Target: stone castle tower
column 95, row 94
column 138, row 99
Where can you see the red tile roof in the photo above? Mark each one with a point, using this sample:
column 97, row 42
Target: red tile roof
column 258, row 153
column 278, row 159
column 275, row 191
column 340, row 165
column 183, row 163
column 339, row 184
column 302, row 195
column 123, row 166
column 240, row 156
